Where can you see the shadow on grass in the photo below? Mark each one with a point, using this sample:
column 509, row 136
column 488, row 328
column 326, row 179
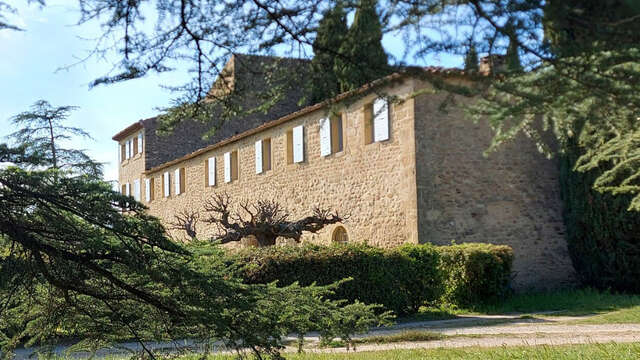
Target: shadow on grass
column 598, row 306
column 577, row 302
column 469, row 321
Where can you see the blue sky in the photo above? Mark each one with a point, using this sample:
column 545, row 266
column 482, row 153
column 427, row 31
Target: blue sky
column 29, row 71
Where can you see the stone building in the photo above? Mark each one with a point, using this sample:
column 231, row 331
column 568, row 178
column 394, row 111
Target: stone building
column 387, row 154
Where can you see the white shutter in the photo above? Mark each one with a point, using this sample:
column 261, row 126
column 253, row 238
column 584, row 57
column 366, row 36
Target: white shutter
column 259, row 157
column 119, row 153
column 147, row 190
column 212, row 171
column 227, row 167
column 127, row 190
column 136, row 189
column 176, row 181
column 298, row 144
column 140, row 143
column 167, row 188
column 381, row 120
column 127, row 150
column 325, row 137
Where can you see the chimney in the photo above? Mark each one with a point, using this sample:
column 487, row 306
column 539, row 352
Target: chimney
column 225, row 83
column 492, row 64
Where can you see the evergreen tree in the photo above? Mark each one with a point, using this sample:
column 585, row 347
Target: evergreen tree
column 43, row 130
column 512, row 58
column 362, row 58
column 331, row 32
column 471, row 61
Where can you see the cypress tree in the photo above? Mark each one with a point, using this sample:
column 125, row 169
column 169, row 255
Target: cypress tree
column 471, row 59
column 362, row 58
column 331, row 32
column 512, row 58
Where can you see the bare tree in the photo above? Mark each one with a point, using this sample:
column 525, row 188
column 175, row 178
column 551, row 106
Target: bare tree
column 266, row 220
column 187, row 221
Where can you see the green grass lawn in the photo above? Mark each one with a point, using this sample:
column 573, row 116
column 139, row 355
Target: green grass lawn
column 588, row 352
column 607, row 307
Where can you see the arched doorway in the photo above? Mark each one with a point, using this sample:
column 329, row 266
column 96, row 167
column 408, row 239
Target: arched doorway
column 339, row 235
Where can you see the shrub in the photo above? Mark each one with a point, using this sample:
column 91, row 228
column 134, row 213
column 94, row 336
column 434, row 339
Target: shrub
column 396, row 279
column 400, row 279
column 602, row 235
column 475, row 273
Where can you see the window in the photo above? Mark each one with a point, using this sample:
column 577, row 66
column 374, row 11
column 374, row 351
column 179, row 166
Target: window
column 123, row 152
column 331, row 135
column 210, row 172
column 127, row 189
column 289, row 147
column 340, row 235
column 230, row 166
column 127, row 150
column 140, row 142
column 263, row 155
column 380, row 120
column 134, row 145
column 336, row 133
column 166, row 181
column 179, row 181
column 368, row 123
column 149, row 189
column 376, row 121
column 136, row 189
column 295, row 145
column 123, row 189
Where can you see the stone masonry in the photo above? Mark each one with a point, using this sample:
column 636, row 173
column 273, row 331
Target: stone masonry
column 428, row 183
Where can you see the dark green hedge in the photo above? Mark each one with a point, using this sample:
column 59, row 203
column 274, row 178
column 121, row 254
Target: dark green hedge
column 602, row 236
column 401, row 279
column 475, row 273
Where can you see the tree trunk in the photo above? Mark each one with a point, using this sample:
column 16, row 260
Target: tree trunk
column 265, row 240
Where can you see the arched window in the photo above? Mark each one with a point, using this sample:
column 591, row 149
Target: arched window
column 340, row 235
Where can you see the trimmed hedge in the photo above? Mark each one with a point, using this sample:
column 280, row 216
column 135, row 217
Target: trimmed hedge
column 475, row 273
column 400, row 279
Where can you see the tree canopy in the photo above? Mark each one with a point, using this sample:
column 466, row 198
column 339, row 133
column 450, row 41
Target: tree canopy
column 329, row 37
column 362, row 58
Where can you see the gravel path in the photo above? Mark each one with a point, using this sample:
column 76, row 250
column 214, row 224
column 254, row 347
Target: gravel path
column 491, row 331
column 493, row 341
column 484, row 331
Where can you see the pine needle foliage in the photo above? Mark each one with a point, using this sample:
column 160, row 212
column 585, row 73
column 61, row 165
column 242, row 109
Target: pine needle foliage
column 43, row 131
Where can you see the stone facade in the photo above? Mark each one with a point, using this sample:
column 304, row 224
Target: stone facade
column 511, row 197
column 429, row 182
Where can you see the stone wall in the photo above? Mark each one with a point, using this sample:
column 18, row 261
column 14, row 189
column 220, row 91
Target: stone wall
column 132, row 168
column 373, row 184
column 512, row 197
